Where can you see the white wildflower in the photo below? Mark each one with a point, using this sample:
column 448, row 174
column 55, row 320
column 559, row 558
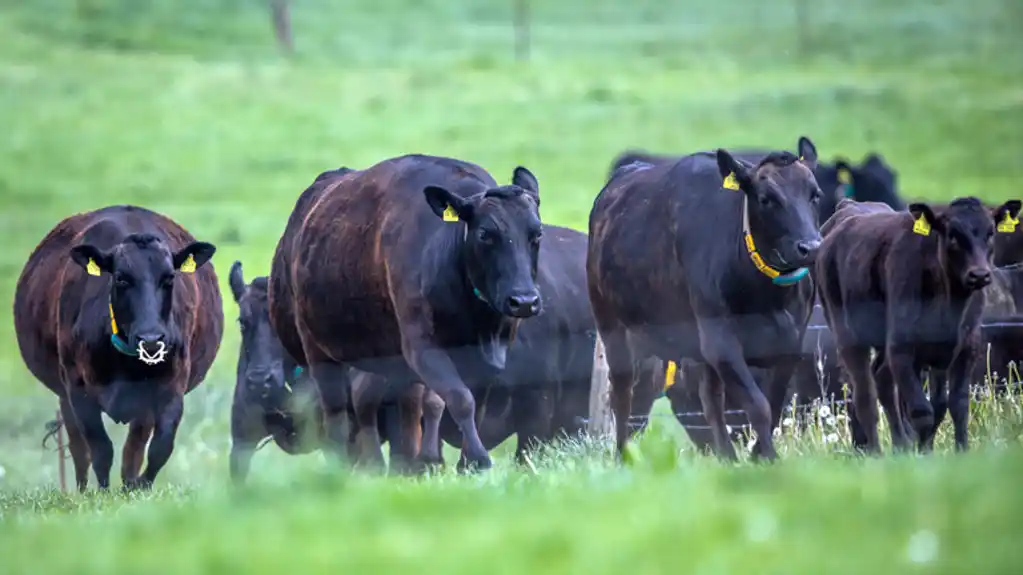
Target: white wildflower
column 751, row 443
column 824, row 412
column 831, row 438
column 728, row 428
column 830, row 421
column 776, row 432
column 787, row 422
column 922, row 547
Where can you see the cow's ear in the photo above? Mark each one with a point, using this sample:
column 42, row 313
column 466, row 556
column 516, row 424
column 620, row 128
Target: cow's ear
column 193, row 256
column 735, row 174
column 237, row 281
column 1006, row 216
column 92, row 259
column 924, row 219
column 525, row 179
column 448, row 206
column 807, row 152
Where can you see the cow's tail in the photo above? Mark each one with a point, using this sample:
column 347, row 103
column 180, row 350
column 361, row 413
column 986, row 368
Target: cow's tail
column 52, row 429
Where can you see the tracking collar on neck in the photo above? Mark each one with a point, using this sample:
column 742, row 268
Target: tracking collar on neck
column 475, row 292
column 777, row 278
column 115, row 338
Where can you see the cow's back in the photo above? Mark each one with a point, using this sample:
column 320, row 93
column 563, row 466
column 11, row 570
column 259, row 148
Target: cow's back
column 52, row 290
column 280, row 291
column 654, row 229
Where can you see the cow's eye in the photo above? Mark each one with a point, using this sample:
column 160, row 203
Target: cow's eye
column 535, row 238
column 486, row 236
column 122, row 280
column 166, row 281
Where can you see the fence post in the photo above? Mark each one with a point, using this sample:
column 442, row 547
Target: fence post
column 280, row 14
column 601, row 422
column 803, row 27
column 522, row 38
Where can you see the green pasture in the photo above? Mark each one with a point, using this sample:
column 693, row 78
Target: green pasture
column 189, row 108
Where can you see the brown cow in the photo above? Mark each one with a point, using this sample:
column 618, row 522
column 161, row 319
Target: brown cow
column 908, row 285
column 116, row 313
column 418, row 268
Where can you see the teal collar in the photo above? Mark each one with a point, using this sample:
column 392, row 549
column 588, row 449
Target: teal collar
column 848, row 191
column 115, row 339
column 121, row 345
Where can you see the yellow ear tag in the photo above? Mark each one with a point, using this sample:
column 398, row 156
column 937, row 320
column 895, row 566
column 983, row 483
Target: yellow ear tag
column 450, row 215
column 1008, row 224
column 801, row 159
column 669, row 375
column 920, row 226
column 844, row 177
column 92, row 268
column 730, row 183
column 188, row 266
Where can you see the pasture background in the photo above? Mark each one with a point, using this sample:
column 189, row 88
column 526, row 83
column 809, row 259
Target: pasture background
column 188, row 108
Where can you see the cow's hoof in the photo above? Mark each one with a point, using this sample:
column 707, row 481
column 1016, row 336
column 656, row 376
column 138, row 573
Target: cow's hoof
column 137, row 484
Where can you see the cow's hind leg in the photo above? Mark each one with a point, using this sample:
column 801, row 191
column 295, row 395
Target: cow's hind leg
column 139, row 431
column 332, row 383
column 893, row 412
column 722, row 350
column 79, row 449
column 864, row 391
column 368, row 394
column 621, row 373
column 406, row 434
column 89, row 417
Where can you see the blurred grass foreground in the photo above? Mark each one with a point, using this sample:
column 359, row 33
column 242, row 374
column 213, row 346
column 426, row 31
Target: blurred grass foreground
column 196, row 109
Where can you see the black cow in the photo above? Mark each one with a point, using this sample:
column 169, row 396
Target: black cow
column 417, row 269
column 266, row 381
column 271, row 388
column 117, row 312
column 873, row 180
column 909, row 286
column 705, row 258
column 544, row 392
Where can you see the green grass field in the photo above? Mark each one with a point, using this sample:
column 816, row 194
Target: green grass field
column 188, row 108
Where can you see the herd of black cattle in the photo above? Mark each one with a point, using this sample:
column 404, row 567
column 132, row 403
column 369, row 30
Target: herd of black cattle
column 465, row 319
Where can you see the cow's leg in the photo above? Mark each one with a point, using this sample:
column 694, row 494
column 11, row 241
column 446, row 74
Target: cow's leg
column 889, row 398
column 531, row 413
column 333, row 385
column 959, row 397
column 938, row 383
column 76, row 444
column 134, row 448
column 406, row 433
column 247, row 429
column 723, row 352
column 433, row 410
column 777, row 387
column 712, row 400
column 621, row 366
column 906, row 374
column 90, row 421
column 864, row 391
column 169, row 409
column 368, row 392
column 439, row 374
